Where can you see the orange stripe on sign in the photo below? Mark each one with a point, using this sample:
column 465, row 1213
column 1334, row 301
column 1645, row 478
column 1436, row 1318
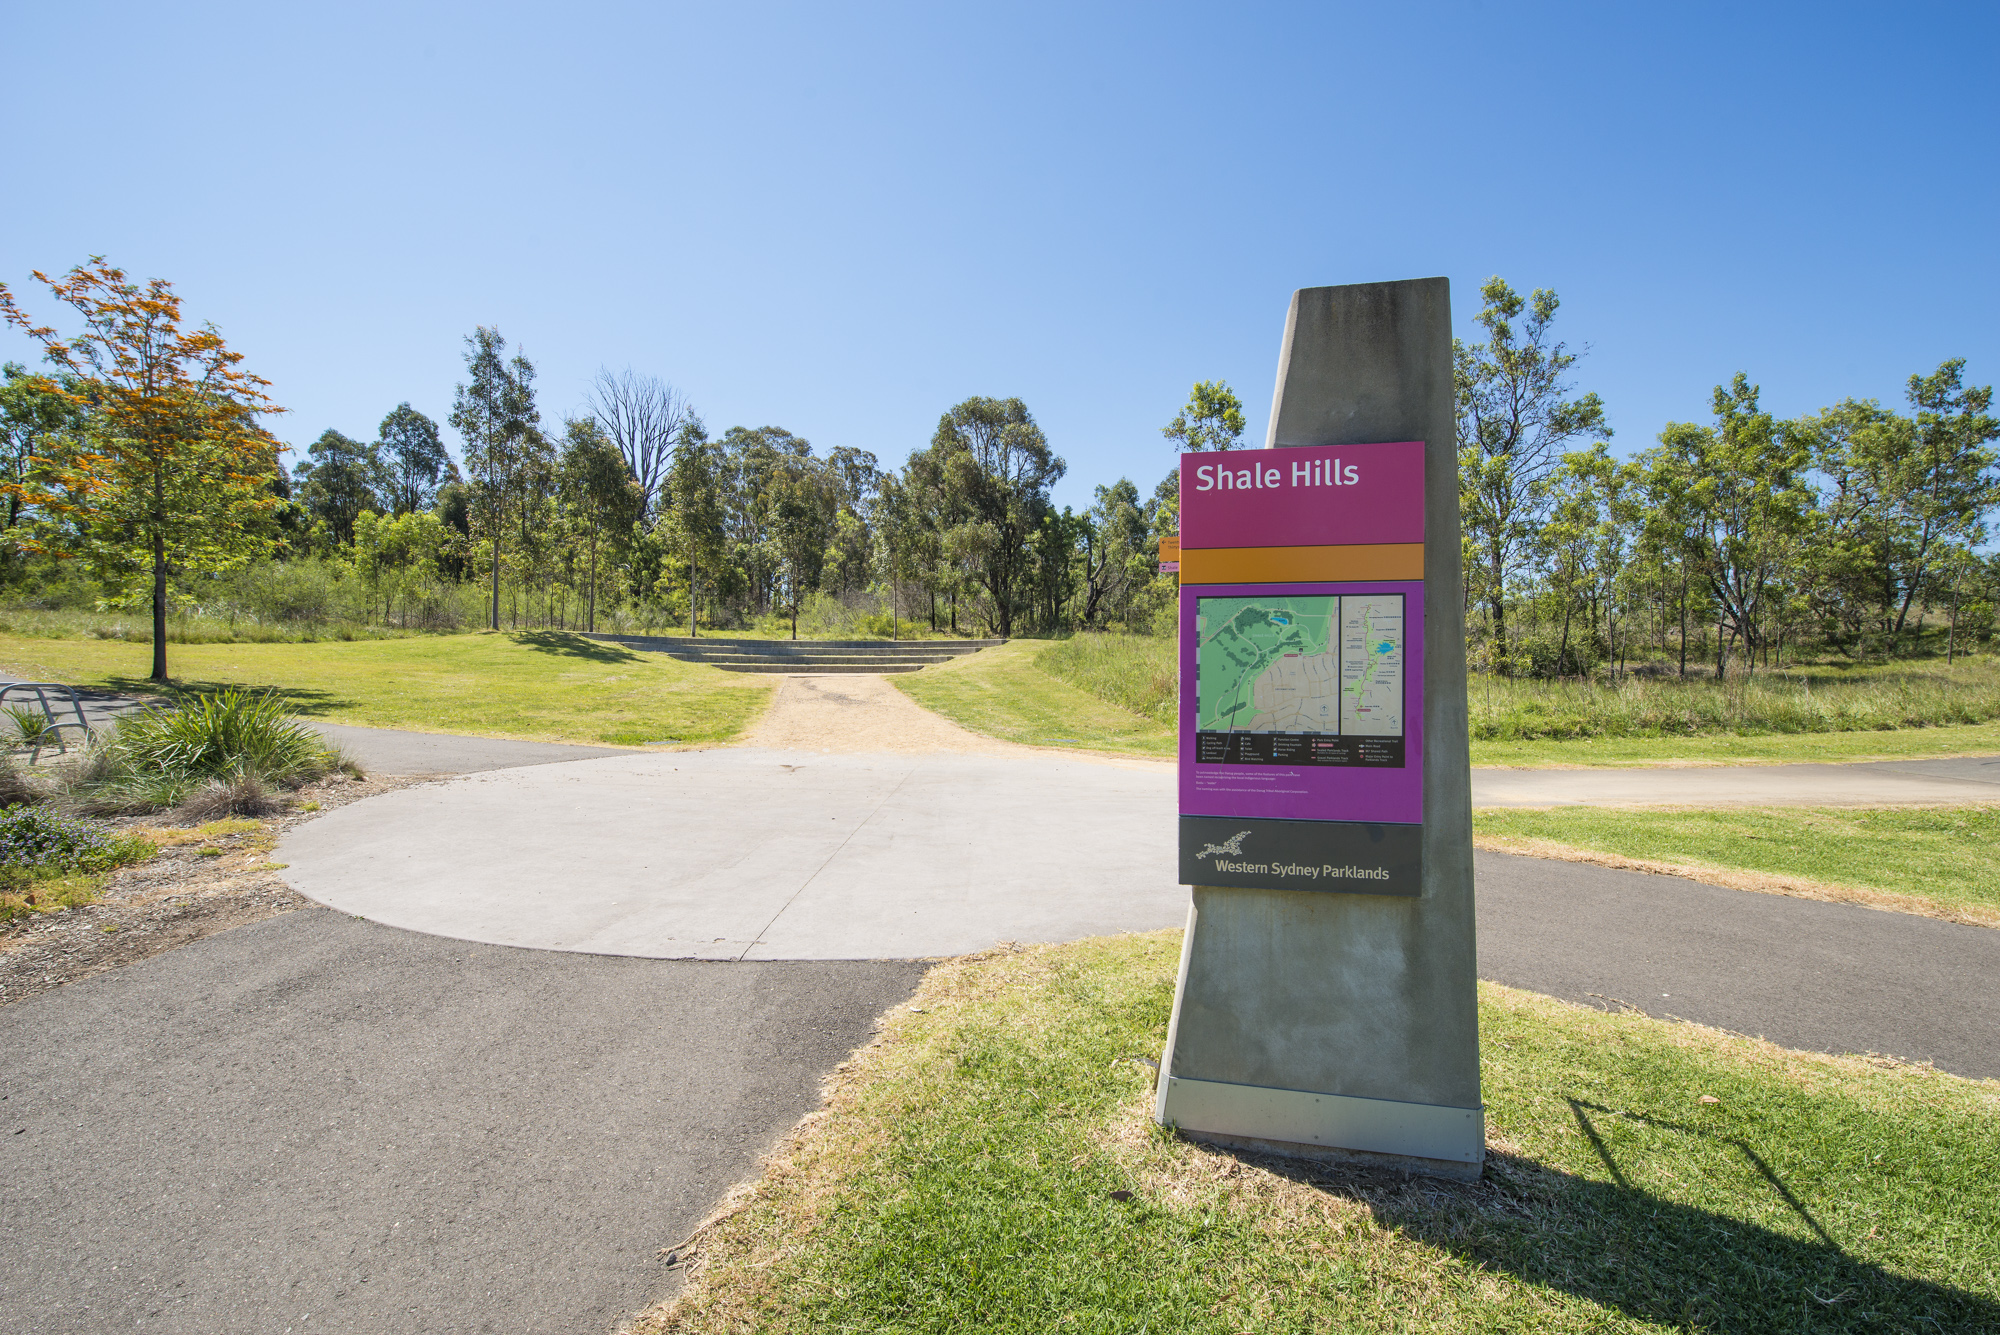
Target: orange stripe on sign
column 1301, row 565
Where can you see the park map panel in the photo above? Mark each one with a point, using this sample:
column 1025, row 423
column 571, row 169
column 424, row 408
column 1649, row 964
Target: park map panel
column 1300, row 680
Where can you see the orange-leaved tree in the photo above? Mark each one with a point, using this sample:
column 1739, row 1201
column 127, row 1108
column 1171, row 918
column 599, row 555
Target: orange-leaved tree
column 173, row 474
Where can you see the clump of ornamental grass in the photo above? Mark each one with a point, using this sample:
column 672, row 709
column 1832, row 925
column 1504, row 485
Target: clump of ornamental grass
column 18, row 784
column 208, row 756
column 27, row 726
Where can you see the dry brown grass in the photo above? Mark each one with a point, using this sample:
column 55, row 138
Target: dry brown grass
column 1763, row 883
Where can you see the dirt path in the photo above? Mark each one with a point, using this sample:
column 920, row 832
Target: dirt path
column 859, row 713
column 854, row 712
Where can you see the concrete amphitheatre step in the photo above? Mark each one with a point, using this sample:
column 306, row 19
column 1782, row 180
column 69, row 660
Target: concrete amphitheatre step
column 802, row 656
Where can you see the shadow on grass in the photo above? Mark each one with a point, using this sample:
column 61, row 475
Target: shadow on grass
column 298, row 699
column 1651, row 1258
column 575, row 646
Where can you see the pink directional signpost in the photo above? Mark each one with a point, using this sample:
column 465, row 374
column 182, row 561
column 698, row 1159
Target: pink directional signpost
column 1327, row 1002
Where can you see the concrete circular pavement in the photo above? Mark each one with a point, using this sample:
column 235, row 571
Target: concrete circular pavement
column 752, row 853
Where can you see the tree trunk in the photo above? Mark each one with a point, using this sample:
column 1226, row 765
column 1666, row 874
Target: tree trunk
column 1496, row 604
column 1951, row 634
column 1909, row 597
column 496, row 577
column 590, row 616
column 1684, row 618
column 692, row 571
column 159, row 588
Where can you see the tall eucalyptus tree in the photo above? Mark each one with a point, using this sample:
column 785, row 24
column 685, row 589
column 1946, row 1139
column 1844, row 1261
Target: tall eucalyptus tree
column 1515, row 420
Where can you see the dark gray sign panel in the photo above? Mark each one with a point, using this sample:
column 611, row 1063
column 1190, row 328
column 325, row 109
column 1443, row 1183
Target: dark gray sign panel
column 1335, row 857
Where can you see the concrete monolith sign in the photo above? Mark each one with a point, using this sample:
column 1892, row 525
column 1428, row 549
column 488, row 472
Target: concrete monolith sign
column 1326, row 1002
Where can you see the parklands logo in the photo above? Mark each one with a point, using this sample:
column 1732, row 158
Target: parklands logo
column 1232, row 848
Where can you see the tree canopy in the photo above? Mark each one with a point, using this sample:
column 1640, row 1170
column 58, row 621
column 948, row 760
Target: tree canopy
column 173, row 468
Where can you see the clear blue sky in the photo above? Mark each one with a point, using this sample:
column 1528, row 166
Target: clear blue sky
column 843, row 219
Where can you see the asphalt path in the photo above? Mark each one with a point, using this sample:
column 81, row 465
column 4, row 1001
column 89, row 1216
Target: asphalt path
column 320, row 1122
column 1802, row 973
column 395, row 751
column 315, row 1123
column 743, row 853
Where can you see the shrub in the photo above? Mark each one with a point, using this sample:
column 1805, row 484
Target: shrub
column 35, row 839
column 211, row 754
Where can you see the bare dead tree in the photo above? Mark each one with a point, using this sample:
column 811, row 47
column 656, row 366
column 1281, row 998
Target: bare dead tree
column 642, row 415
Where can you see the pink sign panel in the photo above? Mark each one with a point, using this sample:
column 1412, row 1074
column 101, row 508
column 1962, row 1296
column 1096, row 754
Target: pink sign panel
column 1332, row 495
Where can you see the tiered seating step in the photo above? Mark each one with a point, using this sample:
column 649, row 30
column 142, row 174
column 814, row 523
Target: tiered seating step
column 802, row 656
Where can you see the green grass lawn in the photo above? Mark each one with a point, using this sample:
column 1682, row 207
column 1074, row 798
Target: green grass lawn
column 1965, row 739
column 990, row 1166
column 999, row 692
column 1946, row 856
column 536, row 685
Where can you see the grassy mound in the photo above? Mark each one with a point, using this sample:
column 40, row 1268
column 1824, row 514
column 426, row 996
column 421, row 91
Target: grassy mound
column 1002, row 692
column 990, row 1166
column 1135, row 672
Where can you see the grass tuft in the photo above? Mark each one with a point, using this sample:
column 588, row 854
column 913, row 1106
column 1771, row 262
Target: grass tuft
column 210, row 756
column 19, row 784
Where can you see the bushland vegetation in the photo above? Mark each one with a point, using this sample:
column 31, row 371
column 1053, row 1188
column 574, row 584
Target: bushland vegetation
column 146, row 498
